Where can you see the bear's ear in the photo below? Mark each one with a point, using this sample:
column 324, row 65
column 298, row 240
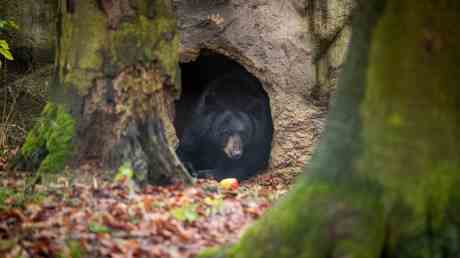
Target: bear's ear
column 211, row 101
column 255, row 107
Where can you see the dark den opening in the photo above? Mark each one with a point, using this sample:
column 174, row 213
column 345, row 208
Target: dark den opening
column 223, row 119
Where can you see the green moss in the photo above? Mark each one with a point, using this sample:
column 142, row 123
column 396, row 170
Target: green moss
column 144, row 40
column 410, row 119
column 164, row 8
column 85, row 42
column 82, row 38
column 54, row 132
column 148, row 40
column 167, row 53
column 142, row 6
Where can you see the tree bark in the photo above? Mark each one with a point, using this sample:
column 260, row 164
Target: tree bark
column 32, row 44
column 272, row 41
column 383, row 182
column 112, row 100
column 34, row 41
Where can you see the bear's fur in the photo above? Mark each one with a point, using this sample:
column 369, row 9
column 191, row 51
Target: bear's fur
column 231, row 129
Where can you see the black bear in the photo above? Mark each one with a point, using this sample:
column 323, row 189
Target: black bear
column 231, row 129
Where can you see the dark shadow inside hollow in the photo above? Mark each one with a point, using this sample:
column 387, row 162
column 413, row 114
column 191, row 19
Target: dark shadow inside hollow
column 195, row 76
column 227, row 98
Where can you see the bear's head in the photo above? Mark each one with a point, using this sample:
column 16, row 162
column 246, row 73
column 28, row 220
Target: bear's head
column 231, row 133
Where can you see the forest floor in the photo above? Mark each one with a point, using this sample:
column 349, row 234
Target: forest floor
column 87, row 216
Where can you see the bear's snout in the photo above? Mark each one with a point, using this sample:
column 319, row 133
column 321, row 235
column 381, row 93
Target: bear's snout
column 234, row 147
column 236, row 154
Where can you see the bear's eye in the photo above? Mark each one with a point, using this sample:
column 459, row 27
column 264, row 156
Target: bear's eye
column 226, row 132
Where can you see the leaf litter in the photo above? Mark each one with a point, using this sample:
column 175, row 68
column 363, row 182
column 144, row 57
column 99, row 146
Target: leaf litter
column 103, row 218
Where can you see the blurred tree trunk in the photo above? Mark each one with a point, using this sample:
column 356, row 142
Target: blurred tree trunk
column 384, row 181
column 112, row 100
column 33, row 44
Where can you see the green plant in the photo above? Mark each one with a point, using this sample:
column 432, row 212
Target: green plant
column 98, row 228
column 185, row 213
column 4, row 46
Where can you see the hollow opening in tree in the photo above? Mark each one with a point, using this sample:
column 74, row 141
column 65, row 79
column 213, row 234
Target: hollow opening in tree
column 223, row 119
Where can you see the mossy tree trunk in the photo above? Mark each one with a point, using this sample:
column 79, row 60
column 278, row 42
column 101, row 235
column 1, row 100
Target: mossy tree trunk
column 112, row 100
column 384, row 181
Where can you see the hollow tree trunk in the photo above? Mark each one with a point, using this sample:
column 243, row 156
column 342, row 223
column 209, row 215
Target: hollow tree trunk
column 384, row 180
column 270, row 40
column 112, row 100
